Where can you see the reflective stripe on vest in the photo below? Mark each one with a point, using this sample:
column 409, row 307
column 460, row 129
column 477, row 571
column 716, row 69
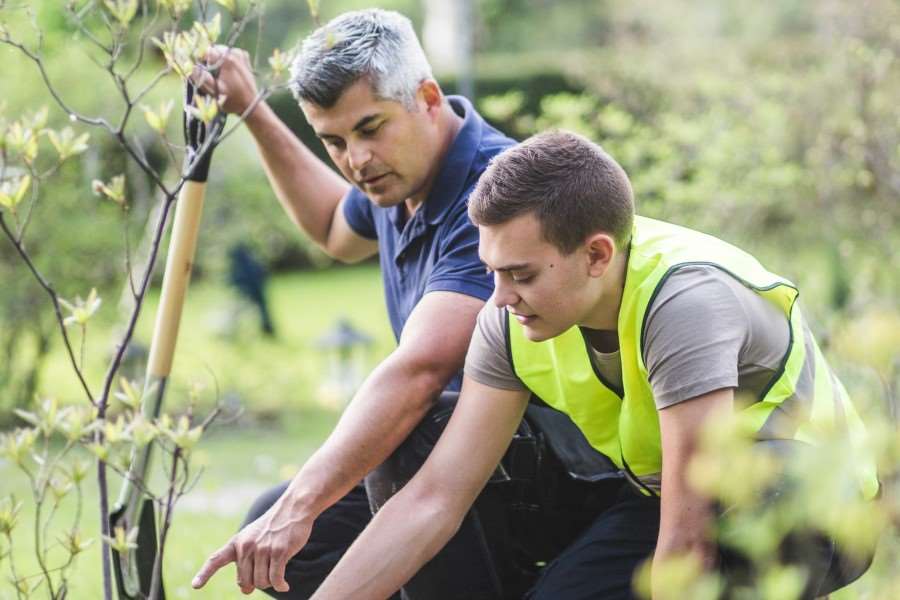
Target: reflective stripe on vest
column 624, row 424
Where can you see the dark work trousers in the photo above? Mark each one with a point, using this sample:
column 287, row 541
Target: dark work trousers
column 600, row 563
column 530, row 510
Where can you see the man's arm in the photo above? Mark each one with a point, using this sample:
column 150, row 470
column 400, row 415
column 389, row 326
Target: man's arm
column 685, row 515
column 307, row 188
column 387, row 407
column 416, row 523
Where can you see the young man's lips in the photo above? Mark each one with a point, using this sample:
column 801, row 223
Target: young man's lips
column 523, row 319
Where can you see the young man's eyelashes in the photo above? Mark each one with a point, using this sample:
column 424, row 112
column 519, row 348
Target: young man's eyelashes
column 514, row 276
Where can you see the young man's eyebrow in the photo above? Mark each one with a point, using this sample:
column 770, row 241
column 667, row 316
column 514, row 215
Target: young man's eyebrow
column 507, row 268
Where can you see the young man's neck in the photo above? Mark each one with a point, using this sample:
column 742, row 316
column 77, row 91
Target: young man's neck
column 604, row 316
column 449, row 124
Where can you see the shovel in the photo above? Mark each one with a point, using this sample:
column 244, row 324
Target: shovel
column 133, row 569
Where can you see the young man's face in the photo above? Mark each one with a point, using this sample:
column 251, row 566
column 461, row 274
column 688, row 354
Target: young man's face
column 547, row 291
column 382, row 148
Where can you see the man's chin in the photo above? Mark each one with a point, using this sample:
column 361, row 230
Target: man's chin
column 384, row 199
column 538, row 334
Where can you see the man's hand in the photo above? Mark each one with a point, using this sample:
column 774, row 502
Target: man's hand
column 233, row 78
column 260, row 551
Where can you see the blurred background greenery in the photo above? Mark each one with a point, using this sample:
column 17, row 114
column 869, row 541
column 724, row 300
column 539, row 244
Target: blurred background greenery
column 772, row 125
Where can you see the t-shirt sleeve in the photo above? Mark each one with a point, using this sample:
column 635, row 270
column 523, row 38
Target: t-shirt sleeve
column 696, row 327
column 458, row 268
column 487, row 361
column 358, row 214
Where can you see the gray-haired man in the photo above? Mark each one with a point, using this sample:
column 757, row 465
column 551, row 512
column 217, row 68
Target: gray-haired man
column 412, row 155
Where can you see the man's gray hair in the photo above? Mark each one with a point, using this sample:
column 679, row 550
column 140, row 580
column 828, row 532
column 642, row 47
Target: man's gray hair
column 375, row 44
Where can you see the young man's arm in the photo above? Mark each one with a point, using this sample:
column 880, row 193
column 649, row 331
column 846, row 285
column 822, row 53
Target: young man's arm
column 307, row 188
column 416, row 523
column 387, row 407
column 685, row 516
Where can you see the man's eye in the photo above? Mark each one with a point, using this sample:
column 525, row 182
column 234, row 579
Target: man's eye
column 371, row 131
column 333, row 143
column 522, row 278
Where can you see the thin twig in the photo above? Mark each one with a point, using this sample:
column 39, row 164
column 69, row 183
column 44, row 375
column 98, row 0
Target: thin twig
column 54, row 298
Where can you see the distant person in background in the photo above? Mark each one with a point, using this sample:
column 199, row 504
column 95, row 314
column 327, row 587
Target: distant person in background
column 410, row 156
column 248, row 276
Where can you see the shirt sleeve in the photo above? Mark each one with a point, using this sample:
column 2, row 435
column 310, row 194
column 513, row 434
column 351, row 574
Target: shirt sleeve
column 696, row 328
column 358, row 214
column 458, row 268
column 487, row 361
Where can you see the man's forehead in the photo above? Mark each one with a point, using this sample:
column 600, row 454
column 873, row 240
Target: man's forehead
column 503, row 252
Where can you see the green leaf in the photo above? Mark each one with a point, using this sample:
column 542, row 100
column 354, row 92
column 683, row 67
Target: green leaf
column 158, row 120
column 122, row 10
column 229, row 5
column 66, row 143
column 82, row 310
column 206, row 108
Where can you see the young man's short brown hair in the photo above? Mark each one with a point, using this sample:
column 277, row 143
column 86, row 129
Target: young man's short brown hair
column 569, row 183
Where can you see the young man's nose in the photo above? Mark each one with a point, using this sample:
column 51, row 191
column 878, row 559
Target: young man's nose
column 503, row 293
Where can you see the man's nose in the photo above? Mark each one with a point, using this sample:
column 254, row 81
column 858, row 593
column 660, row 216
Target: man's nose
column 504, row 295
column 359, row 155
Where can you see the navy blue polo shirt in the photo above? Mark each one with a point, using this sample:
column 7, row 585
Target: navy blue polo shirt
column 437, row 248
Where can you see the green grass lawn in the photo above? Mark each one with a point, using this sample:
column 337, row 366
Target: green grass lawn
column 224, row 352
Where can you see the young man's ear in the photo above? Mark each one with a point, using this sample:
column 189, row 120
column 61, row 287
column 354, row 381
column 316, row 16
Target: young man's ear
column 601, row 249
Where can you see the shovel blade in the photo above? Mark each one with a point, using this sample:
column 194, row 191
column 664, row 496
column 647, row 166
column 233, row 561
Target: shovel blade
column 134, row 571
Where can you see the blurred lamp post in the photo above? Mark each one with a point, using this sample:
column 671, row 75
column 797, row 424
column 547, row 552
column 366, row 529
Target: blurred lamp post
column 345, row 348
column 447, row 34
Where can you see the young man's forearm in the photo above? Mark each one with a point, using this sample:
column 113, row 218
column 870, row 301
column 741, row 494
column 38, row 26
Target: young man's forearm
column 405, row 534
column 307, row 188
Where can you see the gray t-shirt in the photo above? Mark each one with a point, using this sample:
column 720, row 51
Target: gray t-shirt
column 705, row 331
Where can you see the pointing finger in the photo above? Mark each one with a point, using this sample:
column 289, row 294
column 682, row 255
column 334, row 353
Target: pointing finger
column 216, row 561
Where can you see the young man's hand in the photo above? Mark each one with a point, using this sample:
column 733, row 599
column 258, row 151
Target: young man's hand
column 260, row 551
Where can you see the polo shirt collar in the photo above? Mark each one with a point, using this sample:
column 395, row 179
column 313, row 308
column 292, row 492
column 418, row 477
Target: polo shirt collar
column 455, row 168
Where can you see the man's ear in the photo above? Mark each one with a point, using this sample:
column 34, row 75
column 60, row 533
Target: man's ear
column 430, row 93
column 601, row 249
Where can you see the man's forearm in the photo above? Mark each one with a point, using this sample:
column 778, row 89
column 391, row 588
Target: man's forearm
column 381, row 415
column 307, row 188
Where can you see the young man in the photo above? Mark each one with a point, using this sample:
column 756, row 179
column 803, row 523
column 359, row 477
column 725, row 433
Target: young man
column 637, row 329
column 412, row 156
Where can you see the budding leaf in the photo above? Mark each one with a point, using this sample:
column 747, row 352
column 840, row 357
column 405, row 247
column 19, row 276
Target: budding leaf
column 158, row 120
column 114, row 190
column 122, row 10
column 81, row 310
column 206, row 108
column 229, row 5
column 66, row 143
column 279, row 62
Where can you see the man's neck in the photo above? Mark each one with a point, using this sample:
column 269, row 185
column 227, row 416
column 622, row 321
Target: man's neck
column 449, row 124
column 604, row 316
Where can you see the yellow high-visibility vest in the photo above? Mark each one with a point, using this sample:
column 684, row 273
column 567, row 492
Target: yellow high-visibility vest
column 624, row 424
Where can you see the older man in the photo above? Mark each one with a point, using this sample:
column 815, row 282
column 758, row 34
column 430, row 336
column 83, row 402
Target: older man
column 410, row 157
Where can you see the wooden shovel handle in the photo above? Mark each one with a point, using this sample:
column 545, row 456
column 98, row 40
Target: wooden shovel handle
column 183, row 243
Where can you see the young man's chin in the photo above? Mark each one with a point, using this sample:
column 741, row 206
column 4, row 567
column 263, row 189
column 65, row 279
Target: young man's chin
column 537, row 331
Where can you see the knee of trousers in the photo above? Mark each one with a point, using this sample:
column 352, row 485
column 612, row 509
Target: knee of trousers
column 389, row 477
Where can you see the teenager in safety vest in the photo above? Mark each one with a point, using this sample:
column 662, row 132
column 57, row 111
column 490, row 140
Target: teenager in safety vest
column 640, row 331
